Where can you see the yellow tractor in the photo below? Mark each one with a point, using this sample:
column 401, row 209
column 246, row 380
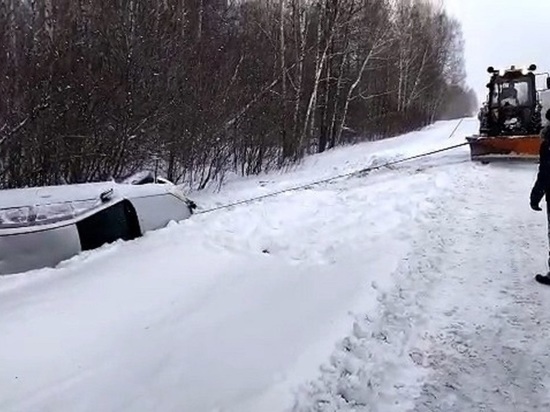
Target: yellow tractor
column 511, row 117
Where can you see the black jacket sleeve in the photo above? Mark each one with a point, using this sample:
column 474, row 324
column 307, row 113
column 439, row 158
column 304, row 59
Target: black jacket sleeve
column 543, row 175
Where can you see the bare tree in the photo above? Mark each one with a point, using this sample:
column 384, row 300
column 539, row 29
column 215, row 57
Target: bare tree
column 194, row 89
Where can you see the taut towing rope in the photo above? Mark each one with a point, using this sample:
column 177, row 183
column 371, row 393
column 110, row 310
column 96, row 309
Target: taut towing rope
column 330, row 179
column 456, row 128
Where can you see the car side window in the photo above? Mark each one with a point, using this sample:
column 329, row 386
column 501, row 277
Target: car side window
column 118, row 221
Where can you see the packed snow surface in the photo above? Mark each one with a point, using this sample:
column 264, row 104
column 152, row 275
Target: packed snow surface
column 405, row 289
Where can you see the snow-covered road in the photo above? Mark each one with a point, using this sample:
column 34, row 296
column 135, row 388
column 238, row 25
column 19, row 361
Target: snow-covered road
column 488, row 345
column 412, row 287
column 466, row 313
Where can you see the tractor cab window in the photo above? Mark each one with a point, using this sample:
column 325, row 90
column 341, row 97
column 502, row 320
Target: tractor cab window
column 514, row 93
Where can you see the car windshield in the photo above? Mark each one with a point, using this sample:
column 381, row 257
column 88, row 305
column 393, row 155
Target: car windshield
column 513, row 92
column 26, row 216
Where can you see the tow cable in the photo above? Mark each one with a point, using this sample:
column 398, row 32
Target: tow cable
column 330, row 179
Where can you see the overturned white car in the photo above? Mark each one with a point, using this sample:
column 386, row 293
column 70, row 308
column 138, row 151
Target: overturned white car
column 40, row 227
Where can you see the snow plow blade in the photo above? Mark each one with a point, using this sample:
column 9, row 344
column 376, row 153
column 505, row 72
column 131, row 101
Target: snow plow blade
column 485, row 148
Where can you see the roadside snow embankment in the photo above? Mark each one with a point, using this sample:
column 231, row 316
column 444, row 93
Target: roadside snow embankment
column 348, row 159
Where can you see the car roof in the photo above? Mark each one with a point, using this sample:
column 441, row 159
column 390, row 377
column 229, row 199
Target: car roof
column 44, row 195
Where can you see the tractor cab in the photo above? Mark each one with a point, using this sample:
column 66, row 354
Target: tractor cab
column 510, row 120
column 516, row 92
column 512, row 107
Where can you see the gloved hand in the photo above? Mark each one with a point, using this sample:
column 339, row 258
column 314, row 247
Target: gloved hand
column 535, row 206
column 536, row 196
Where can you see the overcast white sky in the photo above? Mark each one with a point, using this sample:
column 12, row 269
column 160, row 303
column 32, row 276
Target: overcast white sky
column 502, row 33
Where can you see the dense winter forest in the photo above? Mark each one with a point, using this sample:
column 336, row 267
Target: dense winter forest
column 99, row 89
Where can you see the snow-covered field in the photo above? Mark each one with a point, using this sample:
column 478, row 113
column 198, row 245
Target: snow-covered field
column 409, row 289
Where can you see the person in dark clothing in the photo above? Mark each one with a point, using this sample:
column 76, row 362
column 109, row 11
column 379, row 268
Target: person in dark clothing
column 509, row 95
column 541, row 187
